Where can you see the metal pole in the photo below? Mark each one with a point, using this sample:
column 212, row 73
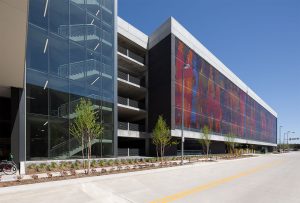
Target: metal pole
column 182, row 115
column 284, row 141
column 280, row 136
column 186, row 66
column 287, row 139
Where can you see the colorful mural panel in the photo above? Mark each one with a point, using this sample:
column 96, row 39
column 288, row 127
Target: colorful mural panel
column 212, row 99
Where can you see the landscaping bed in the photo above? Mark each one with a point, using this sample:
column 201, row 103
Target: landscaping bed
column 54, row 171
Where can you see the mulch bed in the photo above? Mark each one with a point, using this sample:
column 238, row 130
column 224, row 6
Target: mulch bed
column 92, row 174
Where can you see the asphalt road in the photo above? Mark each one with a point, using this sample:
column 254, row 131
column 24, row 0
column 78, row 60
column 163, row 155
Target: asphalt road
column 267, row 178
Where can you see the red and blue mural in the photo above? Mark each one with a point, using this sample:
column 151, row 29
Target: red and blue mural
column 212, row 99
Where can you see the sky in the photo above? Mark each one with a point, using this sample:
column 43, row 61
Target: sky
column 259, row 40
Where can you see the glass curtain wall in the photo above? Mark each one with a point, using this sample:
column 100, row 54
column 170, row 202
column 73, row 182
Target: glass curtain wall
column 211, row 99
column 70, row 55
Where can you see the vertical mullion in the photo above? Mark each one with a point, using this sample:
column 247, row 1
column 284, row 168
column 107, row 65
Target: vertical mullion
column 48, row 89
column 69, row 85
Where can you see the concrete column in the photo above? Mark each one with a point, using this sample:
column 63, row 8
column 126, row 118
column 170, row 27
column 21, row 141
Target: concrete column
column 18, row 134
column 147, row 146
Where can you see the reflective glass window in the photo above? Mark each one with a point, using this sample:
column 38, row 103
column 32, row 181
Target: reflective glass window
column 37, row 49
column 77, row 24
column 59, row 17
column 59, row 56
column 38, row 13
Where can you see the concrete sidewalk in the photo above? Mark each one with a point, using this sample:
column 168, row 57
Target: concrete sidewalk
column 149, row 185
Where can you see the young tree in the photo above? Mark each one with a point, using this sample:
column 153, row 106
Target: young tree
column 85, row 127
column 161, row 136
column 205, row 139
column 230, row 142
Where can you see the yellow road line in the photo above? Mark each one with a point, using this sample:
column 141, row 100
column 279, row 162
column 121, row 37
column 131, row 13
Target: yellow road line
column 215, row 183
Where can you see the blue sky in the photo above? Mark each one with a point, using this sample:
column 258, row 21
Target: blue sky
column 259, row 40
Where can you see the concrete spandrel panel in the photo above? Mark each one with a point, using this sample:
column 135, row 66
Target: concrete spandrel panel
column 13, row 26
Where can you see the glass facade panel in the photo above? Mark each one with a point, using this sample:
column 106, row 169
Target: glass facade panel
column 64, row 63
column 37, row 136
column 213, row 100
column 40, row 15
column 37, row 49
column 58, row 56
column 59, row 17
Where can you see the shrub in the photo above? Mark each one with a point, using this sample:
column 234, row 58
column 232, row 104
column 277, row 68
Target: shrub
column 77, row 164
column 124, row 161
column 94, row 163
column 69, row 164
column 130, row 161
column 53, row 166
column 117, row 162
column 41, row 167
column 62, row 165
column 110, row 162
column 102, row 163
column 48, row 168
column 103, row 170
column 31, row 166
column 49, row 175
column 86, row 163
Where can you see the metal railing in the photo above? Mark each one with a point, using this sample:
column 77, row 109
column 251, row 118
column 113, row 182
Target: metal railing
column 122, row 50
column 122, row 125
column 131, row 54
column 131, row 126
column 123, row 76
column 136, row 127
column 128, row 152
column 135, row 80
column 80, row 69
column 130, row 78
column 122, row 100
column 131, row 102
column 64, row 147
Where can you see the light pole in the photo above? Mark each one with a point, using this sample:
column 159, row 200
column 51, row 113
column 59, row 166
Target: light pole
column 186, row 66
column 287, row 140
column 280, row 136
column 283, row 143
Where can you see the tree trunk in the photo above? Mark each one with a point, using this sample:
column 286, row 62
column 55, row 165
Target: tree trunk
column 161, row 154
column 82, row 150
column 163, row 151
column 89, row 159
column 156, row 147
column 101, row 147
column 207, row 150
